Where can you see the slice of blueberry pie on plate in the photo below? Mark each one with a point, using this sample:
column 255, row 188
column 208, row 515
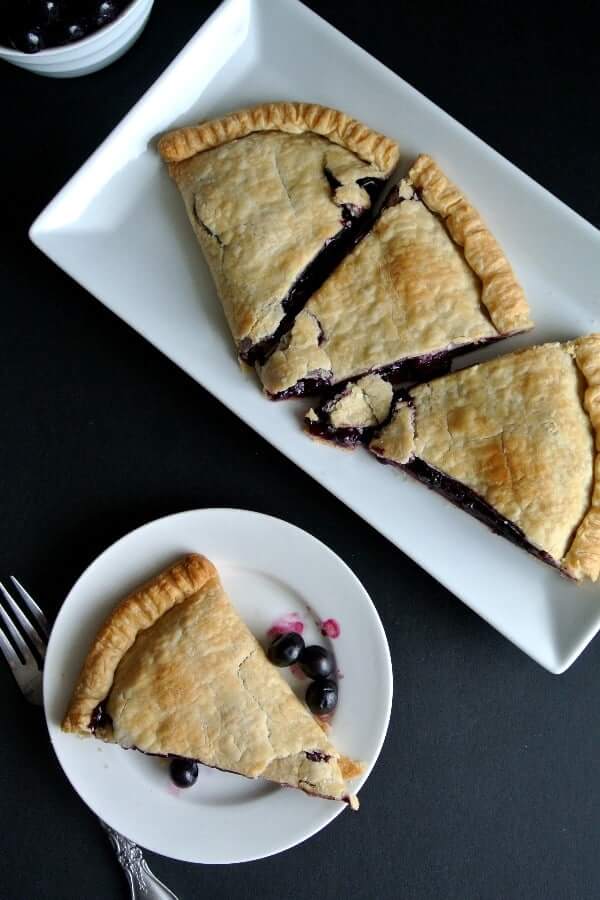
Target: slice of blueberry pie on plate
column 276, row 194
column 175, row 672
column 427, row 282
column 515, row 442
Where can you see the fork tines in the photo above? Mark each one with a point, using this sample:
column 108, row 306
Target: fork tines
column 36, row 632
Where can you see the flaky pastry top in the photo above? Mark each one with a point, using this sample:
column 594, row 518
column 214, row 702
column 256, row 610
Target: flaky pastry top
column 428, row 279
column 262, row 208
column 522, row 431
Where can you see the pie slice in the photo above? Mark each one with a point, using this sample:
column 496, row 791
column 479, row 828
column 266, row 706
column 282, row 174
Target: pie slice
column 276, row 195
column 515, row 442
column 174, row 671
column 429, row 281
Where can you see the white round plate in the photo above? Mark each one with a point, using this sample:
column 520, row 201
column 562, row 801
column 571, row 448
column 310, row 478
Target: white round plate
column 271, row 570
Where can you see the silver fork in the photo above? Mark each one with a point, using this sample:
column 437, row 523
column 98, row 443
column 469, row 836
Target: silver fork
column 143, row 883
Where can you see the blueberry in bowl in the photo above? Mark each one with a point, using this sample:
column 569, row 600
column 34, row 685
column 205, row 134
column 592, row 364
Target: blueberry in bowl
column 39, row 24
column 62, row 38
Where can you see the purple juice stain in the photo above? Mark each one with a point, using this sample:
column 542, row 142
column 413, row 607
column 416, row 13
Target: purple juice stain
column 331, row 628
column 285, row 624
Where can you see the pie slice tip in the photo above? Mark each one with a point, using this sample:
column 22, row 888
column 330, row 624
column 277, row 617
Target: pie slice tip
column 174, row 671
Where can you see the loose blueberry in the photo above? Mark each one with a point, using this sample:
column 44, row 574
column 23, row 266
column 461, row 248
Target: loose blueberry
column 322, row 696
column 28, row 40
column 317, row 662
column 184, row 772
column 286, row 649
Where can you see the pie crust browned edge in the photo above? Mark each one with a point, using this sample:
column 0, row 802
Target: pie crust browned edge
column 290, row 117
column 582, row 559
column 501, row 293
column 139, row 610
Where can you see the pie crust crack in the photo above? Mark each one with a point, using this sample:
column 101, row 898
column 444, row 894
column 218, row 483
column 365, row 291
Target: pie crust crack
column 427, row 282
column 276, row 196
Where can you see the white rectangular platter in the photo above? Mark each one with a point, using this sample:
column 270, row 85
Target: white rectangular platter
column 120, row 229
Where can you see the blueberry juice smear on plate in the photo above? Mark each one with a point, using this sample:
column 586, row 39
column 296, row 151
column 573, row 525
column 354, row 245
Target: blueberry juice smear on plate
column 33, row 25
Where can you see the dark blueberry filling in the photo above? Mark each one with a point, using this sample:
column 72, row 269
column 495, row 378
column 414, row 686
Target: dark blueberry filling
column 471, row 502
column 345, row 437
column 99, row 718
column 355, row 224
column 414, row 368
column 317, row 756
column 306, row 387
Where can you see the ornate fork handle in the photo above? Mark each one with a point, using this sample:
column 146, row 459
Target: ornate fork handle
column 143, row 883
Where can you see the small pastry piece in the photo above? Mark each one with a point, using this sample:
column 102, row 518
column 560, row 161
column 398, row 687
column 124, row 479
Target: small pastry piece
column 428, row 281
column 515, row 442
column 174, row 671
column 276, row 195
column 353, row 413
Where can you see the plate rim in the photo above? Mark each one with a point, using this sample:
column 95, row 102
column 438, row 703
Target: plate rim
column 336, row 809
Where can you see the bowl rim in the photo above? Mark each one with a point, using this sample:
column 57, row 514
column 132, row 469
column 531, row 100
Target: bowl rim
column 49, row 52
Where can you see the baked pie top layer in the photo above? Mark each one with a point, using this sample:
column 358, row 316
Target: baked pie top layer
column 266, row 190
column 522, row 432
column 177, row 672
column 429, row 278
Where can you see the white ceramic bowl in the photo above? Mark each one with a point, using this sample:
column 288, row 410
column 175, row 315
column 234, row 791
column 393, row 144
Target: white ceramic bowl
column 89, row 54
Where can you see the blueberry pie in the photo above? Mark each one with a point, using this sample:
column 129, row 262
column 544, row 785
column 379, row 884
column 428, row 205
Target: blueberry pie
column 175, row 672
column 427, row 282
column 513, row 441
column 276, row 195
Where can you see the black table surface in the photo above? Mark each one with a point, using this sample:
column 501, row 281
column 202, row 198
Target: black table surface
column 487, row 786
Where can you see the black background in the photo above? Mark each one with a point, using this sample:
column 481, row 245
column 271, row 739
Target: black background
column 487, row 786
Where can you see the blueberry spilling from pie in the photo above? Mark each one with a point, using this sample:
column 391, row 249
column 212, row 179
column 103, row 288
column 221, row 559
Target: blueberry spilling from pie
column 175, row 672
column 33, row 25
column 277, row 195
column 429, row 281
column 513, row 442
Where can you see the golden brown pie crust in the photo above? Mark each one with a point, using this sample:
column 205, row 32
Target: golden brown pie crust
column 501, row 294
column 267, row 191
column 523, row 432
column 139, row 610
column 289, row 117
column 428, row 279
